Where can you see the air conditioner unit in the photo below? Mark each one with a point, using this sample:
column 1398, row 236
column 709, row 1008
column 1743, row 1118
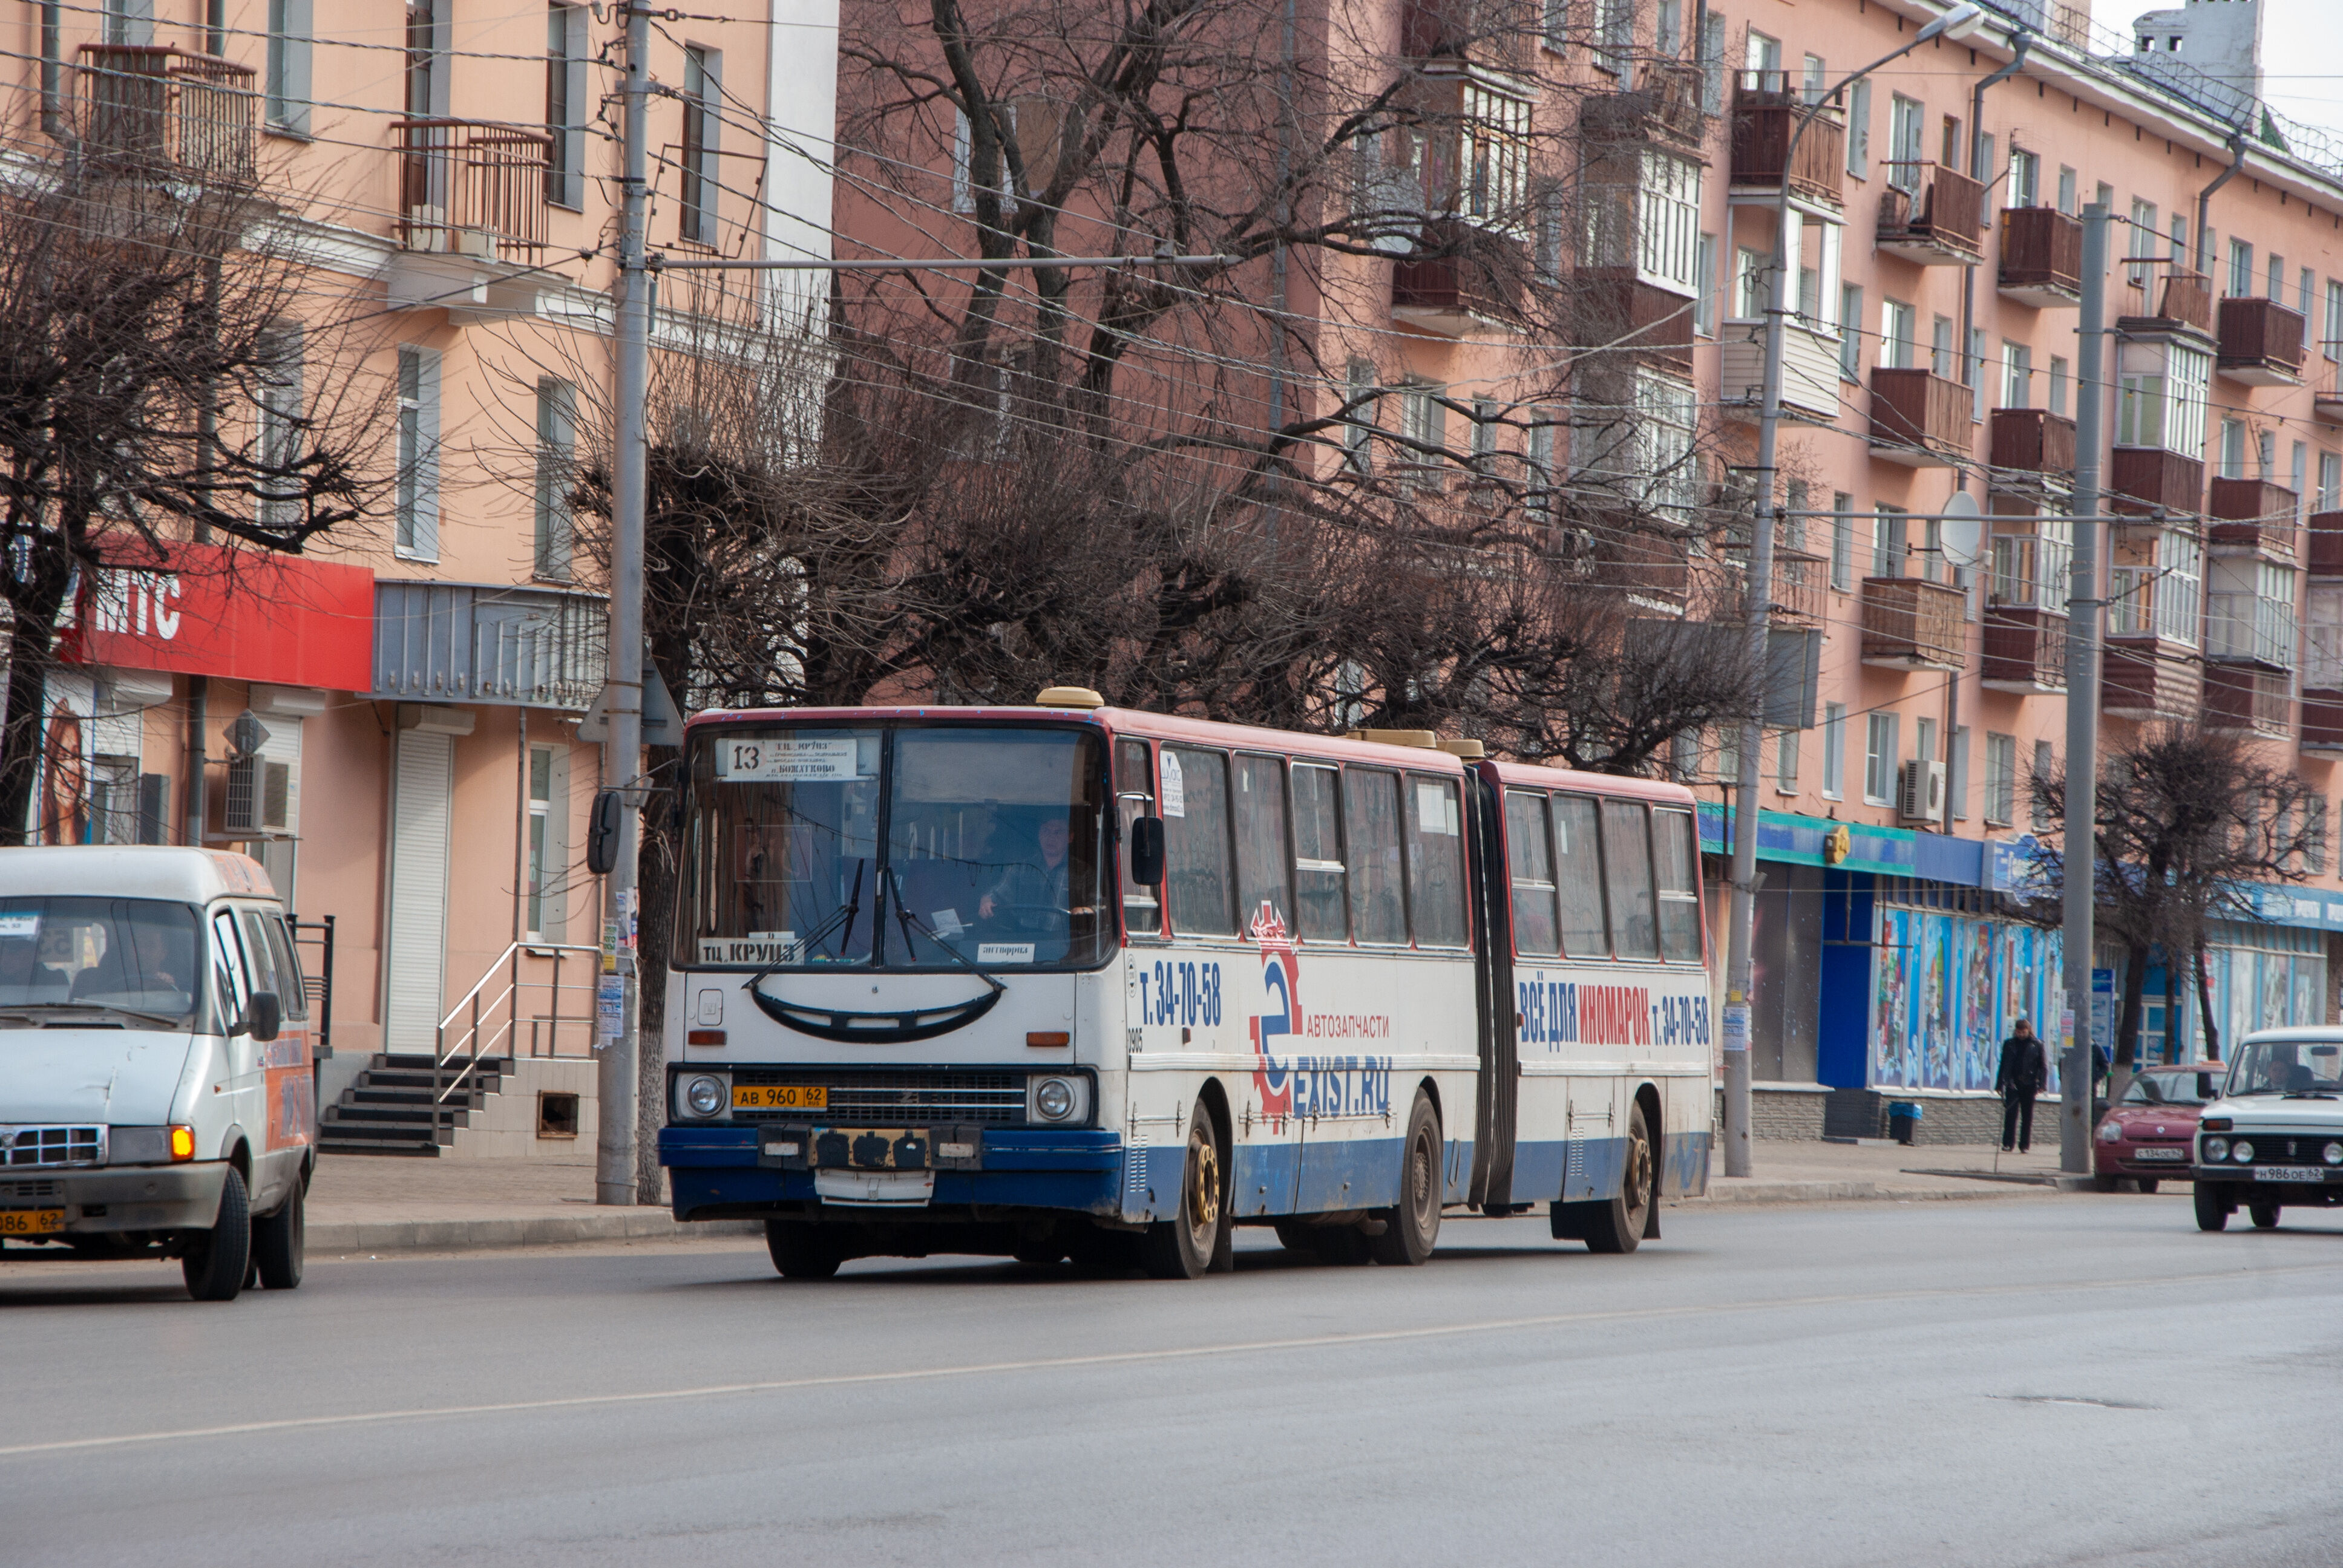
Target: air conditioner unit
column 1920, row 793
column 258, row 793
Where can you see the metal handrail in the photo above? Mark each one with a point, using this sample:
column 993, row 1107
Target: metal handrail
column 468, row 1043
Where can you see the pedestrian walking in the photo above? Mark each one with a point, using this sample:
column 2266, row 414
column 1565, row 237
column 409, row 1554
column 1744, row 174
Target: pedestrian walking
column 2023, row 1071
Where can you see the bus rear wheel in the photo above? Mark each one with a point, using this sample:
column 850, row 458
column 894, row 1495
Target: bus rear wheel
column 1182, row 1247
column 1411, row 1228
column 802, row 1250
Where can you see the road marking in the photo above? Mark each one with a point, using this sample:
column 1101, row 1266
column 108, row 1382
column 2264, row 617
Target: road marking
column 1130, row 1358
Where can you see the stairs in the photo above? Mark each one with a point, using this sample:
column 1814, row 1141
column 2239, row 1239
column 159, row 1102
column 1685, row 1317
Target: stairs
column 393, row 1107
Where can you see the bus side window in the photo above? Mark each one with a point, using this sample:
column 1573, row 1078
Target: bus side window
column 1196, row 843
column 1134, row 797
column 1578, row 878
column 1318, row 853
column 1627, row 857
column 1436, row 861
column 1529, row 862
column 1262, row 860
column 1679, row 877
column 1371, row 813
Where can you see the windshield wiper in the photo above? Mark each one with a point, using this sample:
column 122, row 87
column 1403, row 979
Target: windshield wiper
column 903, row 914
column 2309, row 1094
column 844, row 913
column 24, row 1010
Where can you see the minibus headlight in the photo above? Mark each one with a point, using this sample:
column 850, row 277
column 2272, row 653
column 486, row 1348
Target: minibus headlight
column 1055, row 1099
column 2215, row 1148
column 705, row 1096
column 182, row 1144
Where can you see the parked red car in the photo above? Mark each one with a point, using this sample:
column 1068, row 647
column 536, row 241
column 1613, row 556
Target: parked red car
column 2148, row 1135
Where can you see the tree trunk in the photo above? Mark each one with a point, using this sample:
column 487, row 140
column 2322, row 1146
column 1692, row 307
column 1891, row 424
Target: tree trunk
column 2127, row 1021
column 2205, row 1006
column 32, row 650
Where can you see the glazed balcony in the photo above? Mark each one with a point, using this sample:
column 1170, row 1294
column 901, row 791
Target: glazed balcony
column 1918, row 418
column 2251, row 517
column 2041, row 258
column 1911, row 623
column 1471, row 281
column 2323, row 554
column 2248, row 629
column 2145, row 677
column 146, row 107
column 2176, row 303
column 1932, row 216
column 2142, row 478
column 1664, row 112
column 2260, row 342
column 2025, row 651
column 1810, row 379
column 2033, row 441
column 2249, row 701
column 1765, row 116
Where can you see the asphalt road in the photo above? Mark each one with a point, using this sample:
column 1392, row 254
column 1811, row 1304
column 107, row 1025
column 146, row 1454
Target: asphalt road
column 2080, row 1380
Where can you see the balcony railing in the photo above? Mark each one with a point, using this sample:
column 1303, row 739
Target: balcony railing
column 145, row 106
column 2033, row 441
column 1612, row 305
column 2177, row 301
column 2324, row 553
column 1473, row 278
column 1764, row 121
column 2142, row 478
column 1919, row 419
column 2148, row 677
column 2025, row 649
column 2041, row 256
column 2322, row 720
column 2249, row 701
column 1910, row 623
column 2260, row 343
column 1476, row 31
column 1932, row 215
column 2247, row 628
column 2327, row 390
column 1800, row 578
column 1664, row 110
column 471, row 187
column 2251, row 515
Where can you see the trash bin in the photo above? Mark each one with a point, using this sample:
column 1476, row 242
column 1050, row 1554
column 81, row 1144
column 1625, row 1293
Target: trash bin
column 1902, row 1121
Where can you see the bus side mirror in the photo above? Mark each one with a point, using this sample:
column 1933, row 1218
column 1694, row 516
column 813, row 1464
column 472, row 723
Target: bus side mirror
column 602, row 833
column 264, row 1016
column 1147, row 852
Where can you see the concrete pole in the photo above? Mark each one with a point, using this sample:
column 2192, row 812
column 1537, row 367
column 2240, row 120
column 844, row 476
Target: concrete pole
column 614, row 1159
column 2083, row 697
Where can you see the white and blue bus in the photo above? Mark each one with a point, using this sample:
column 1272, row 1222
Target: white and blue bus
column 1071, row 981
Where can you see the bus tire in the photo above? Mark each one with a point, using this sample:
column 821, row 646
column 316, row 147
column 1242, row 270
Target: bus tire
column 1043, row 1245
column 277, row 1242
column 1411, row 1228
column 217, row 1262
column 2212, row 1210
column 803, row 1250
column 2264, row 1215
column 1617, row 1225
column 1182, row 1247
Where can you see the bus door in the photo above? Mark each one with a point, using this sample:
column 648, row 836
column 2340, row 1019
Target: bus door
column 1496, row 1039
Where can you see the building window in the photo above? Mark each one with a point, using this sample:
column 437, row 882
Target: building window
column 1555, row 33
column 1359, row 423
column 1899, row 326
column 1496, row 141
column 2233, row 448
column 703, row 72
column 556, row 464
column 1614, row 33
column 1834, row 749
column 2025, row 178
column 1941, row 363
column 2000, row 780
column 2017, row 376
column 2146, row 244
column 2045, row 765
column 287, row 95
column 1879, row 758
column 1850, row 331
column 1670, row 30
column 1972, row 373
column 2066, row 191
column 2298, row 476
column 281, row 423
column 1956, row 774
column 1703, row 311
column 548, row 811
column 1858, row 130
column 1841, row 562
column 416, row 498
column 1904, row 154
column 1785, row 761
column 1423, row 426
column 2303, row 284
column 2161, row 397
column 565, row 104
column 2241, row 270
column 1665, row 438
column 2057, row 386
column 1750, row 295
column 1540, row 462
column 2277, row 279
column 1890, row 543
column 2314, row 833
column 1485, row 434
column 2330, row 481
column 2333, row 343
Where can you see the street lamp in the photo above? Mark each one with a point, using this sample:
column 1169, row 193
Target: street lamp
column 1961, row 22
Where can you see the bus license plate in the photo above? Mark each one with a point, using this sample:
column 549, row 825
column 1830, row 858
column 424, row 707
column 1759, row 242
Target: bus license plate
column 780, row 1097
column 32, row 1221
column 2290, row 1173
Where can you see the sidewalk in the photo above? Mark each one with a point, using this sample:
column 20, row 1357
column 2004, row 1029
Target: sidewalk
column 361, row 1204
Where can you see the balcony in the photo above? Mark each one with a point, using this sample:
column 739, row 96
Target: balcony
column 2248, row 701
column 2250, row 517
column 472, row 218
column 1764, row 122
column 1810, row 379
column 1910, row 623
column 2324, row 555
column 2025, row 651
column 2033, row 441
column 1918, row 418
column 2260, row 343
column 148, row 108
column 2326, row 395
column 2145, row 677
column 2041, row 258
column 2140, row 480
column 2322, row 721
column 1800, row 578
column 1612, row 305
column 1482, row 33
column 2182, row 305
column 465, row 642
column 1472, row 283
column 1931, row 216
column 2248, row 629
column 1664, row 112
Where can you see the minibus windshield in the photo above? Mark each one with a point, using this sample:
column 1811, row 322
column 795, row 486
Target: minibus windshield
column 895, row 846
column 133, row 957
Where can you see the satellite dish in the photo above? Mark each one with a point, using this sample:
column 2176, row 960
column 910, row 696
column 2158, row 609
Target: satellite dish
column 1961, row 532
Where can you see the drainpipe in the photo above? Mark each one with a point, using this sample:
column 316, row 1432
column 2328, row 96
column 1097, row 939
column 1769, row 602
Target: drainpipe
column 198, row 689
column 2205, row 200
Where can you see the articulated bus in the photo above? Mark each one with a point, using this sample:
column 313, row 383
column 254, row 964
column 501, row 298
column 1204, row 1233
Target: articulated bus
column 1075, row 981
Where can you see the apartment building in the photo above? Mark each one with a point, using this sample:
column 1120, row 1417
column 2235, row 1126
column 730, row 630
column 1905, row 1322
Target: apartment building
column 390, row 722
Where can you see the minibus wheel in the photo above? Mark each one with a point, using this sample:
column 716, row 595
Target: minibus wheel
column 1182, row 1247
column 217, row 1259
column 277, row 1243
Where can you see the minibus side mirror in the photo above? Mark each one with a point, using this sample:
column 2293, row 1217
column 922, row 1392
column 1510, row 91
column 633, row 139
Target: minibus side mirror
column 264, row 1016
column 1147, row 852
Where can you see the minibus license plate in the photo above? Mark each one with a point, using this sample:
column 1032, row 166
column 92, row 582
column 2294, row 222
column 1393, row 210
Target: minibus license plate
column 780, row 1096
column 32, row 1221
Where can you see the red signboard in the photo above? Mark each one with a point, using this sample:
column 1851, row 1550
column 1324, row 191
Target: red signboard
column 243, row 615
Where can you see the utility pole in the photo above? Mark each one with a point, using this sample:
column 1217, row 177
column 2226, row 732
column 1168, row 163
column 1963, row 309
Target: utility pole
column 2081, row 859
column 622, row 752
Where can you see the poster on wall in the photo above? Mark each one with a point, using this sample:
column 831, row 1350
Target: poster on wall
column 1946, row 991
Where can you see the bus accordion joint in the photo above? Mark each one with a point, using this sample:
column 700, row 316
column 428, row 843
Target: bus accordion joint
column 892, row 1028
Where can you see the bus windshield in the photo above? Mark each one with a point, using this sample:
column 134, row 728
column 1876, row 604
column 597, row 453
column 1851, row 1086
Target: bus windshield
column 895, row 846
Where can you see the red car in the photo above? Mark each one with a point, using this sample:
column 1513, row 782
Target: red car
column 2149, row 1133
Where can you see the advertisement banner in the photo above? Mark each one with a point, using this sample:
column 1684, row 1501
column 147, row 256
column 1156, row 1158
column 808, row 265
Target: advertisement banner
column 244, row 614
column 1946, row 991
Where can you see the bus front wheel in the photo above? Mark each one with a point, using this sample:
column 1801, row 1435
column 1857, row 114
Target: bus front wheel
column 1412, row 1228
column 1616, row 1224
column 1183, row 1248
column 802, row 1250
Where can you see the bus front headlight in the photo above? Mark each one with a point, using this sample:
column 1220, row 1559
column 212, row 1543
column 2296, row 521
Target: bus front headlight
column 1056, row 1099
column 705, row 1096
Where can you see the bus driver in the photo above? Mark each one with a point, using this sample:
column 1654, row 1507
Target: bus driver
column 1028, row 885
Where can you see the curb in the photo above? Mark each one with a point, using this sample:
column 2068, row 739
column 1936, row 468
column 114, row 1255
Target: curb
column 1833, row 1193
column 542, row 1230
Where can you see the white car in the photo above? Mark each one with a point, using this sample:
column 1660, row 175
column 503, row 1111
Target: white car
column 156, row 1096
column 2273, row 1140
